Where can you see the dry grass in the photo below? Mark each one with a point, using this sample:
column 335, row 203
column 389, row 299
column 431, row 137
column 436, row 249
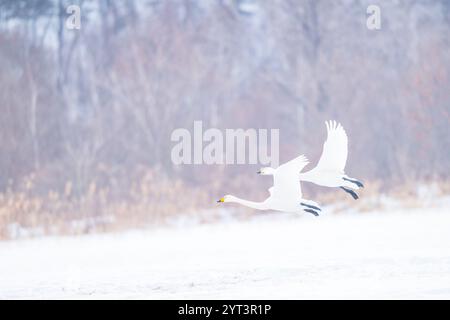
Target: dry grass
column 156, row 199
column 151, row 200
column 374, row 196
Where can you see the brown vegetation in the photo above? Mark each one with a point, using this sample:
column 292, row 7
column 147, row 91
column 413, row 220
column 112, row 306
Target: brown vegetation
column 86, row 115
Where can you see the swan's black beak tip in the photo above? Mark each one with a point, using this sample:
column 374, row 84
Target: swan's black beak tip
column 258, row 172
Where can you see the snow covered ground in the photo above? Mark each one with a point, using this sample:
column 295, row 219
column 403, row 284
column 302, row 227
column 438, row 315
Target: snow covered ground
column 395, row 254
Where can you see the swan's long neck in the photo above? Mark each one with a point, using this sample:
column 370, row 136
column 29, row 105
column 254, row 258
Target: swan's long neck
column 250, row 204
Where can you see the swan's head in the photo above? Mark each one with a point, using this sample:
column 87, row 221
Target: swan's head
column 266, row 171
column 227, row 198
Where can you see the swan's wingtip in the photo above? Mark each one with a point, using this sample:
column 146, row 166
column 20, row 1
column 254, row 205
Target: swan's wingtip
column 333, row 125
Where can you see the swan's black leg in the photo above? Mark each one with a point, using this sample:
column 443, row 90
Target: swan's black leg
column 352, row 193
column 312, row 211
column 310, row 206
column 358, row 183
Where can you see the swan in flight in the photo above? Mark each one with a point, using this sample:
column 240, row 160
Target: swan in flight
column 329, row 171
column 286, row 193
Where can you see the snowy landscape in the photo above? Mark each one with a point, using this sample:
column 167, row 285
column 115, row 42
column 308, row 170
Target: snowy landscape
column 137, row 137
column 394, row 254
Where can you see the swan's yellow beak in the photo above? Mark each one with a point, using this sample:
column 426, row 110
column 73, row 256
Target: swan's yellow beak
column 221, row 200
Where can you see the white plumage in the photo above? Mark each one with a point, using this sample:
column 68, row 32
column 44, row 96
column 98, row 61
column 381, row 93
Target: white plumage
column 329, row 171
column 286, row 193
column 335, row 149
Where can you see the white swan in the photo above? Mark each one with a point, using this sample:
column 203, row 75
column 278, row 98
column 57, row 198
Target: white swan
column 329, row 171
column 286, row 193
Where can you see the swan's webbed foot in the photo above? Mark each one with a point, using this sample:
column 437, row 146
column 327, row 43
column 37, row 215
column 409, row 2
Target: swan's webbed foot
column 310, row 206
column 315, row 213
column 358, row 183
column 351, row 192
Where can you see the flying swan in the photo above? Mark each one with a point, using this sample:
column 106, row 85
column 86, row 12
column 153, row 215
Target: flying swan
column 286, row 193
column 329, row 171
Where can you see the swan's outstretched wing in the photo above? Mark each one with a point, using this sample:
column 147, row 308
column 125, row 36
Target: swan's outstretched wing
column 286, row 184
column 335, row 150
